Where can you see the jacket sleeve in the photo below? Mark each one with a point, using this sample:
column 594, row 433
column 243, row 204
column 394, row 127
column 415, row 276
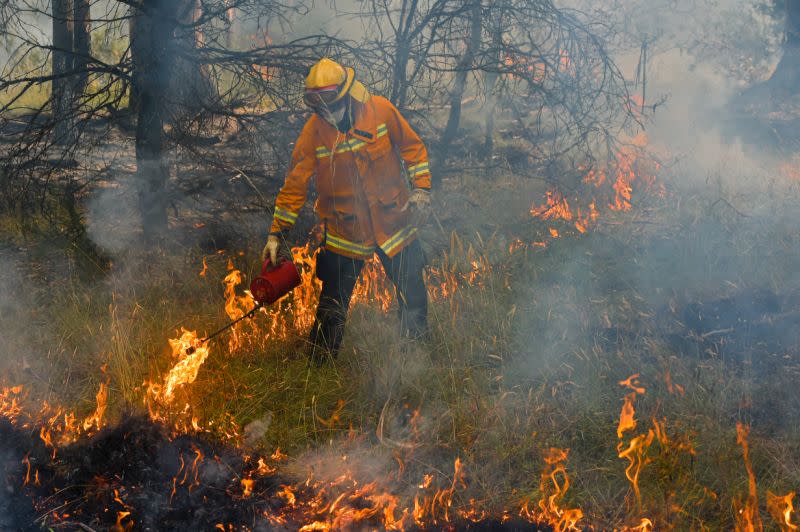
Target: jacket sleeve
column 412, row 150
column 294, row 192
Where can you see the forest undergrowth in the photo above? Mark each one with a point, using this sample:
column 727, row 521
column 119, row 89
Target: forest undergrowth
column 533, row 343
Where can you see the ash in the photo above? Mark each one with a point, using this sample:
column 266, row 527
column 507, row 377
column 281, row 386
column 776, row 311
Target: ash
column 135, row 477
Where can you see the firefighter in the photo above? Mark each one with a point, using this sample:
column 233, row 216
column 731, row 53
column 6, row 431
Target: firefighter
column 362, row 154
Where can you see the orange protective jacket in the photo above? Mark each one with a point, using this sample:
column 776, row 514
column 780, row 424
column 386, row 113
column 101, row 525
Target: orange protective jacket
column 361, row 180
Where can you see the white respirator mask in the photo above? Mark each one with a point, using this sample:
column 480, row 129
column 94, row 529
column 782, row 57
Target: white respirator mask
column 333, row 117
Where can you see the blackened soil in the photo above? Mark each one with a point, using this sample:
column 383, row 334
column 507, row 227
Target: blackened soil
column 187, row 483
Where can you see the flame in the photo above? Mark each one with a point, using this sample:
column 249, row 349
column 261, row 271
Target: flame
column 553, row 486
column 781, row 509
column 204, row 270
column 278, row 456
column 635, row 454
column 636, row 450
column 747, row 514
column 632, row 382
column 191, row 354
column 612, row 184
column 121, row 516
column 27, row 462
column 96, row 419
column 287, row 493
column 626, row 416
column 556, row 207
column 247, row 487
column 264, row 469
column 673, row 388
column 235, row 306
column 335, row 416
column 435, row 508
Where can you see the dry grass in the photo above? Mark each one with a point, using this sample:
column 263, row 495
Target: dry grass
column 526, row 357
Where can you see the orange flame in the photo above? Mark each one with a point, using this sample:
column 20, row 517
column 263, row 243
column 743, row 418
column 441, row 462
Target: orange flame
column 635, row 454
column 645, row 525
column 247, row 487
column 636, row 450
column 556, row 207
column 553, row 486
column 96, row 419
column 191, row 355
column 781, row 509
column 627, row 421
column 632, row 382
column 121, row 516
column 747, row 514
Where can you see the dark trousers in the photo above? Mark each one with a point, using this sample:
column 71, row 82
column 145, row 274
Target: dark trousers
column 339, row 275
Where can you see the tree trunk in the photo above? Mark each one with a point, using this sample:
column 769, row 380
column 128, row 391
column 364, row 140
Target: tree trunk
column 462, row 70
column 787, row 74
column 490, row 81
column 152, row 43
column 233, row 26
column 134, row 24
column 82, row 44
column 399, row 82
column 402, row 54
column 62, row 96
column 190, row 86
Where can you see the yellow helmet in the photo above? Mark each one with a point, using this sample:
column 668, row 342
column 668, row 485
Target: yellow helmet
column 328, row 82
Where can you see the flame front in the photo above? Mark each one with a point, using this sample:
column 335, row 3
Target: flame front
column 610, row 186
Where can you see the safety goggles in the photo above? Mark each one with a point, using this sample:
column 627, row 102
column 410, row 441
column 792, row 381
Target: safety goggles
column 322, row 98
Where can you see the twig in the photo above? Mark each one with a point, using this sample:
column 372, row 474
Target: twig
column 728, row 203
column 717, row 331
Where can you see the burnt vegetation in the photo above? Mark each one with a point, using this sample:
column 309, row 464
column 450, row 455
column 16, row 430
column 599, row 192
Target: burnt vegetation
column 614, row 318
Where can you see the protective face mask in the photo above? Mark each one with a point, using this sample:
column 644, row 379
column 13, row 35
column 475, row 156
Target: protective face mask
column 334, row 116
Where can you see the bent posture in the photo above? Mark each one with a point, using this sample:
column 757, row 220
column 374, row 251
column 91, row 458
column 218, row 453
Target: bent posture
column 362, row 154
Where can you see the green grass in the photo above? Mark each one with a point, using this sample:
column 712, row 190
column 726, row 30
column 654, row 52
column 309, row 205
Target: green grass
column 517, row 361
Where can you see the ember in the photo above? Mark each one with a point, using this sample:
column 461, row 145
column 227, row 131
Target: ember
column 136, row 476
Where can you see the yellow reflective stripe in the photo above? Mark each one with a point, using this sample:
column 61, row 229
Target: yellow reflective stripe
column 418, row 169
column 285, row 219
column 350, row 145
column 346, row 245
column 397, row 239
column 285, row 214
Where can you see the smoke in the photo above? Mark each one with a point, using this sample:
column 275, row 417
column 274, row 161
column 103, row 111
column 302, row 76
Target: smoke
column 19, row 331
column 113, row 221
column 722, row 176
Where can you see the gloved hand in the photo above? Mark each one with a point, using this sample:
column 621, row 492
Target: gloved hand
column 420, row 205
column 272, row 248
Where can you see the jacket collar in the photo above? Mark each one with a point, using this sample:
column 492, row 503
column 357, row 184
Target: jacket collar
column 364, row 128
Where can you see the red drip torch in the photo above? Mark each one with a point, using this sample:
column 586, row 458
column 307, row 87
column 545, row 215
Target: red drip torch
column 274, row 282
column 270, row 285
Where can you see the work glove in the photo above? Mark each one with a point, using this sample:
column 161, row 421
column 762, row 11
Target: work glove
column 275, row 247
column 419, row 203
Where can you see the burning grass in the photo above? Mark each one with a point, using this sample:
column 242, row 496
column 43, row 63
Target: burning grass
column 621, row 377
